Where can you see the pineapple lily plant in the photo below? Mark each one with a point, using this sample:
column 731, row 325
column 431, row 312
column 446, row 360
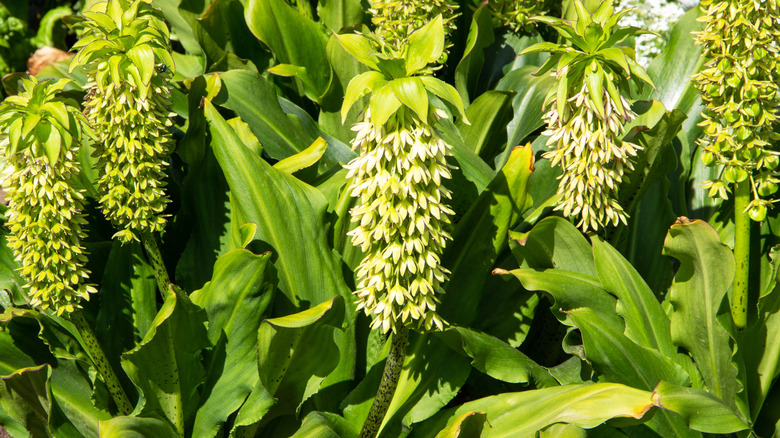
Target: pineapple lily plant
column 371, row 241
column 587, row 111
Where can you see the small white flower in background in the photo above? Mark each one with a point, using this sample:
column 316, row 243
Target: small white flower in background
column 658, row 16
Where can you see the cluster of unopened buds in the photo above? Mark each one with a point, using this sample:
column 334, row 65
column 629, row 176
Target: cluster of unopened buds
column 516, row 14
column 395, row 20
column 739, row 84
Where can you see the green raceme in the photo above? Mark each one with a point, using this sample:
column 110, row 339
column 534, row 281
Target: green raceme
column 587, row 112
column 40, row 137
column 739, row 84
column 401, row 214
column 126, row 50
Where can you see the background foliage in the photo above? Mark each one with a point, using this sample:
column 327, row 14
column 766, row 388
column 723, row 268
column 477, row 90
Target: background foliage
column 552, row 332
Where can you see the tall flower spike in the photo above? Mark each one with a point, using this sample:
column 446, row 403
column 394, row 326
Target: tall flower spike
column 739, row 84
column 126, row 50
column 400, row 214
column 396, row 20
column 587, row 112
column 40, row 136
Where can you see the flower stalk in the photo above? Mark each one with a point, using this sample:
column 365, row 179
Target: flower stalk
column 101, row 363
column 393, row 365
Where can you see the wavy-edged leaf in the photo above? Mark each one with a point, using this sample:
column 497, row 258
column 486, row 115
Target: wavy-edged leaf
column 646, row 321
column 496, row 358
column 254, row 99
column 570, row 290
column 136, row 427
column 235, row 300
column 705, row 274
column 296, row 352
column 481, row 35
column 166, row 365
column 293, row 38
column 700, row 410
column 522, row 414
column 619, row 359
column 488, row 114
column 309, row 272
column 554, row 242
column 325, row 425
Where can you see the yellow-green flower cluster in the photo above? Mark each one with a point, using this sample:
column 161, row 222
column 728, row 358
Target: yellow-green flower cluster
column 401, row 219
column 401, row 213
column 41, row 134
column 739, row 84
column 395, row 20
column 587, row 112
column 592, row 156
column 516, row 14
column 126, row 50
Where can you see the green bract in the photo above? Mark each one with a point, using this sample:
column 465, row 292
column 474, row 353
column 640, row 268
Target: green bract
column 397, row 179
column 125, row 48
column 40, row 137
column 741, row 40
column 587, row 111
column 396, row 20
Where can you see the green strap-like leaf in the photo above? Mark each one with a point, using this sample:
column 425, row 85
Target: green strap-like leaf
column 705, row 274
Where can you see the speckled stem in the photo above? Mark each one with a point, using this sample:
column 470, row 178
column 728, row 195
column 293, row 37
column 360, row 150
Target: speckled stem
column 160, row 273
column 393, row 365
column 101, row 363
column 739, row 296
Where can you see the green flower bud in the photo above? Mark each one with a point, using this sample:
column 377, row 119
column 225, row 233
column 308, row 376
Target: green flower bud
column 123, row 46
column 40, row 137
column 395, row 20
column 516, row 14
column 757, row 211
